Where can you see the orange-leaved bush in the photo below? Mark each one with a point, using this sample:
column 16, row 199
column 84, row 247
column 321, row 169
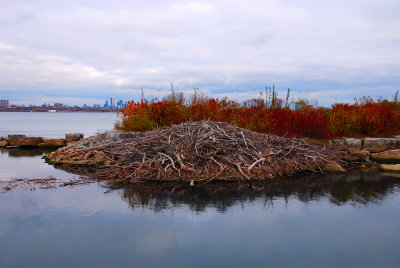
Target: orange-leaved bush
column 363, row 118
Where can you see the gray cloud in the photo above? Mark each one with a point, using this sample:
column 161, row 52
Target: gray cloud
column 331, row 50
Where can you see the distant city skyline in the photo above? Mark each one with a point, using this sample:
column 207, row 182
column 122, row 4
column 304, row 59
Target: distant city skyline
column 82, row 52
column 118, row 104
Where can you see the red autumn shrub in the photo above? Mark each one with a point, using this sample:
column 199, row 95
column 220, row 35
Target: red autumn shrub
column 363, row 118
column 378, row 119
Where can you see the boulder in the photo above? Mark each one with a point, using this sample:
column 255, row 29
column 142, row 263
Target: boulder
column 52, row 143
column 391, row 168
column 357, row 155
column 3, row 143
column 320, row 142
column 353, row 143
column 333, row 166
column 375, row 145
column 73, row 136
column 25, row 141
column 345, row 143
column 338, row 143
column 391, row 156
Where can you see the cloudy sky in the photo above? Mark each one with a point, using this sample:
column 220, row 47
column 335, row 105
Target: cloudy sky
column 87, row 51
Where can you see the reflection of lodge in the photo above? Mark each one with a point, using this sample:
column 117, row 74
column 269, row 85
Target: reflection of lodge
column 356, row 188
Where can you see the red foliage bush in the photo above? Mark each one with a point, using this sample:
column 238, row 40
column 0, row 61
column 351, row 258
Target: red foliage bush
column 370, row 118
column 363, row 118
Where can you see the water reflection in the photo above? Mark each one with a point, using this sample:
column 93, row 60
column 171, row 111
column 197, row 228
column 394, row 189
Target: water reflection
column 355, row 189
column 21, row 152
column 27, row 164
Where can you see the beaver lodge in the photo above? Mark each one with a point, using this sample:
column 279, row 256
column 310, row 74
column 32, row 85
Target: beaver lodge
column 196, row 151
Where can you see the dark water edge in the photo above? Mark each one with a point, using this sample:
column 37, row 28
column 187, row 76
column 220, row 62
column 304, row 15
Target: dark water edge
column 349, row 220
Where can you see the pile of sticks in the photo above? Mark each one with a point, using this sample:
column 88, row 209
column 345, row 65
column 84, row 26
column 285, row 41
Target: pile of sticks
column 207, row 151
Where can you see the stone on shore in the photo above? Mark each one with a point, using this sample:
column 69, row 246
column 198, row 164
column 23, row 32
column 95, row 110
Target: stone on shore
column 391, row 168
column 376, row 145
column 321, row 142
column 3, row 143
column 353, row 143
column 357, row 155
column 337, row 144
column 391, row 156
column 73, row 136
column 52, row 143
column 333, row 166
column 345, row 143
column 25, row 141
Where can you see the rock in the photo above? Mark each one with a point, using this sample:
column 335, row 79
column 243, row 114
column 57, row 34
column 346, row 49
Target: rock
column 378, row 149
column 4, row 138
column 338, row 143
column 74, row 136
column 52, row 143
column 391, row 156
column 357, row 155
column 14, row 136
column 320, row 142
column 345, row 143
column 25, row 141
column 375, row 145
column 391, row 168
column 3, row 143
column 353, row 143
column 332, row 166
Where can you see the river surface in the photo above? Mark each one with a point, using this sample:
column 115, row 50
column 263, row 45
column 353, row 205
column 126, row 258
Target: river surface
column 55, row 125
column 350, row 220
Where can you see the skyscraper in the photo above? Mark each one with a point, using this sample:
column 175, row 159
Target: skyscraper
column 4, row 104
column 112, row 102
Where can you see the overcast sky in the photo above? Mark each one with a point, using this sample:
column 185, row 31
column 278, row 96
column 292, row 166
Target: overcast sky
column 79, row 52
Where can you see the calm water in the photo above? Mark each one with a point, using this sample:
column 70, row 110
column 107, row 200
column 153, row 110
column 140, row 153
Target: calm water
column 332, row 221
column 55, row 125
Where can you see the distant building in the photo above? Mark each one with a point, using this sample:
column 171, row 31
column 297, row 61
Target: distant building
column 58, row 105
column 106, row 104
column 112, row 102
column 4, row 104
column 84, row 105
column 96, row 105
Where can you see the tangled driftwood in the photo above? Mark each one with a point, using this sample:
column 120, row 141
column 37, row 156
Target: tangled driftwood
column 196, row 151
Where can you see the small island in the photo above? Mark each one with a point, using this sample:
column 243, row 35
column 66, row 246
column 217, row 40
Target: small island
column 209, row 140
